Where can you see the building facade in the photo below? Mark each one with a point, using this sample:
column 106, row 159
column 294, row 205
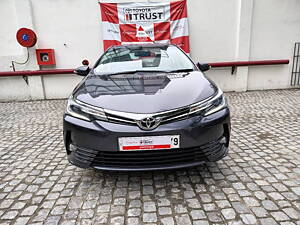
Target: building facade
column 231, row 30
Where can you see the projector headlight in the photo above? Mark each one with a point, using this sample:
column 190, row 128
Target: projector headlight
column 210, row 106
column 84, row 111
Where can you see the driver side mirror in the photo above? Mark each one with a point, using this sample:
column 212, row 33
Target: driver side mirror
column 203, row 67
column 82, row 70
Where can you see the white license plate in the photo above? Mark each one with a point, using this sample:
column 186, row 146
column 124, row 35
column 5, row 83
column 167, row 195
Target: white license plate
column 149, row 143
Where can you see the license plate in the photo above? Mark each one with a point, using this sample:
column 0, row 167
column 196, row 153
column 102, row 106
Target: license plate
column 149, row 142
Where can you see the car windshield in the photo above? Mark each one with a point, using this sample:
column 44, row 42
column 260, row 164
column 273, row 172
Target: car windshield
column 120, row 59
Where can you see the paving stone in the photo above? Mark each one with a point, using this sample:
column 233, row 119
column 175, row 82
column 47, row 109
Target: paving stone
column 240, row 207
column 288, row 223
column 276, row 196
column 103, row 208
column 167, row 221
column 133, row 221
column 6, row 204
column 198, row 214
column 180, row 208
column 296, row 190
column 117, row 210
column 223, row 204
column 58, row 210
column 117, row 220
column 134, row 212
column 10, row 215
column 134, row 194
column 214, row 217
column 101, row 218
column 52, row 220
column 148, row 190
column 183, row 219
column 68, row 222
column 279, row 216
column 209, row 207
column 248, row 218
column 149, row 207
column 41, row 215
column 29, row 211
column 87, row 214
column 189, row 194
column 193, row 203
column 268, row 221
column 135, row 203
column 149, row 218
column 269, row 205
column 18, row 205
column 163, row 202
column 251, row 201
column 22, row 221
column 164, row 211
column 228, row 213
column 259, row 211
column 71, row 214
column 292, row 213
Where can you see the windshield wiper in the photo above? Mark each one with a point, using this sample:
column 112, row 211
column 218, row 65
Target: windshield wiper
column 132, row 72
column 180, row 70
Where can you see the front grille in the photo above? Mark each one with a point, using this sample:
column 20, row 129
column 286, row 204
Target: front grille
column 212, row 151
column 132, row 118
column 119, row 119
column 179, row 114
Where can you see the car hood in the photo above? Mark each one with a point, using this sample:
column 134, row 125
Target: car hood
column 144, row 92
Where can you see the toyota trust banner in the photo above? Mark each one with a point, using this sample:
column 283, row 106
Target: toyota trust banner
column 165, row 22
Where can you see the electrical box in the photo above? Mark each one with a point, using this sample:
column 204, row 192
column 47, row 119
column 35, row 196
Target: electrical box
column 45, row 57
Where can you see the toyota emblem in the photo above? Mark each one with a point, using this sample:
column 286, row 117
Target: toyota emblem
column 148, row 123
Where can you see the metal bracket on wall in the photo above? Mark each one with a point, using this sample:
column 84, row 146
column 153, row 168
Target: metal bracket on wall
column 25, row 78
column 233, row 69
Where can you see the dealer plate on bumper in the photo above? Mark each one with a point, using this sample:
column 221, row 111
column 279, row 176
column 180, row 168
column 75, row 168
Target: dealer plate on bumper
column 149, row 142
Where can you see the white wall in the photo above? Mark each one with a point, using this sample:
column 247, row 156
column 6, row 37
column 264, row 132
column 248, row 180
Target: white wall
column 213, row 28
column 219, row 31
column 275, row 29
column 73, row 29
column 11, row 88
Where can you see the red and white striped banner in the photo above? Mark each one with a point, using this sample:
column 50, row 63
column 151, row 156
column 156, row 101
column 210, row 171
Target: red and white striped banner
column 159, row 22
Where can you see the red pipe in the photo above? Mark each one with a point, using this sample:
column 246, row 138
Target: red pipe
column 36, row 72
column 250, row 63
column 70, row 71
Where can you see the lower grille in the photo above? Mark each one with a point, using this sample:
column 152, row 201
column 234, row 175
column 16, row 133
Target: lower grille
column 212, row 151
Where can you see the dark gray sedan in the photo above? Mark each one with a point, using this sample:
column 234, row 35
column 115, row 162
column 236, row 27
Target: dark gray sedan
column 145, row 107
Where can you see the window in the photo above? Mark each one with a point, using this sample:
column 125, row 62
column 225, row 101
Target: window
column 143, row 58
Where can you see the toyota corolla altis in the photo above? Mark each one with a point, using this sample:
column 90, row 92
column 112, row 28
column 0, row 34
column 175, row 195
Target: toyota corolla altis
column 145, row 107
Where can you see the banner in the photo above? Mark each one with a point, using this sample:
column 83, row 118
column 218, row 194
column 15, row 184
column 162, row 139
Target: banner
column 146, row 22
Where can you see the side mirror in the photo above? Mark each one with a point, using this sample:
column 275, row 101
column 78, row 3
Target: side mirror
column 82, row 70
column 203, row 67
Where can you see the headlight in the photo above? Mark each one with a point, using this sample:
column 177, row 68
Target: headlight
column 210, row 106
column 84, row 111
column 216, row 106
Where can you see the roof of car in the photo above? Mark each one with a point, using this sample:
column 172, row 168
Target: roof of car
column 158, row 45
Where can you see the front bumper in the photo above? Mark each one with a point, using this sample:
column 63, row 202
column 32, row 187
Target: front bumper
column 95, row 144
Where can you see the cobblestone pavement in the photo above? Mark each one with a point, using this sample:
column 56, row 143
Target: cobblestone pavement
column 257, row 183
